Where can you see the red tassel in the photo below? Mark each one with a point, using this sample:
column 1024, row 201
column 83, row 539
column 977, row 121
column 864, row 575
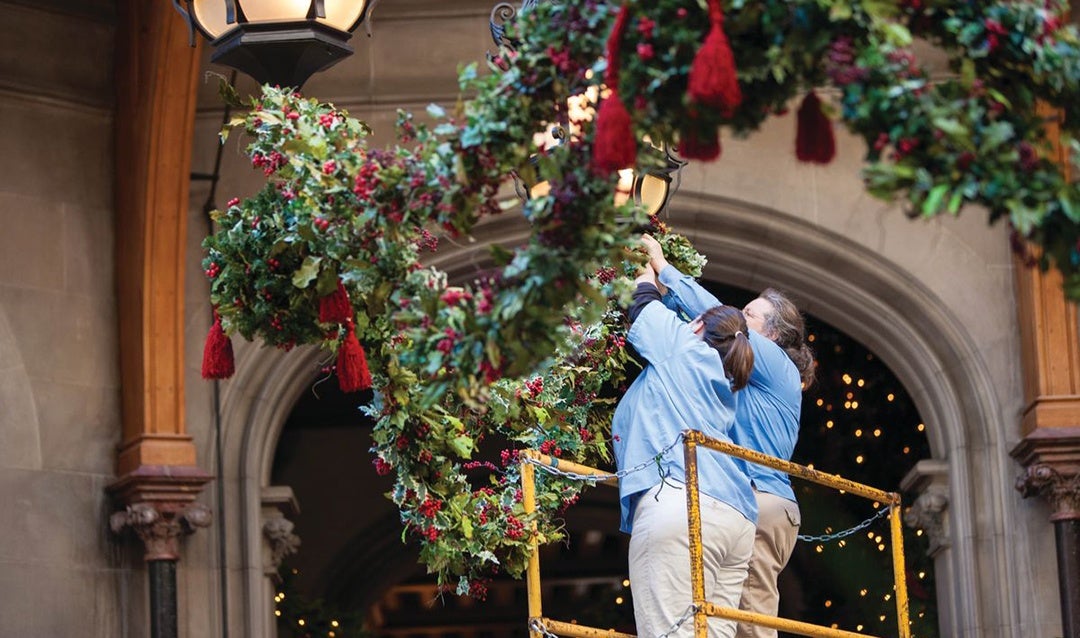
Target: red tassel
column 614, row 147
column 695, row 147
column 335, row 307
column 217, row 360
column 352, row 368
column 713, row 78
column 814, row 140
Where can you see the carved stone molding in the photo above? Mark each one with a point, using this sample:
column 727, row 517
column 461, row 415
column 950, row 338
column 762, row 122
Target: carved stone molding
column 160, row 530
column 279, row 541
column 929, row 512
column 1062, row 491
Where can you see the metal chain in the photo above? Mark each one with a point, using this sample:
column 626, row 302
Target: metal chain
column 536, row 625
column 596, row 478
column 826, row 538
column 655, row 461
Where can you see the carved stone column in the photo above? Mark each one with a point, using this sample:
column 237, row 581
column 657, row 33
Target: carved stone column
column 158, row 477
column 929, row 512
column 927, row 484
column 160, row 531
column 1050, row 425
column 278, row 541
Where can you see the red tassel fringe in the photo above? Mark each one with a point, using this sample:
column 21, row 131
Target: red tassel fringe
column 335, row 307
column 714, row 79
column 814, row 140
column 695, row 147
column 352, row 368
column 217, row 361
column 615, row 147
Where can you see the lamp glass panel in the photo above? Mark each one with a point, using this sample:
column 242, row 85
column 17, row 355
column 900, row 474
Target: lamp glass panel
column 625, row 186
column 275, row 10
column 343, row 15
column 652, row 193
column 210, row 14
column 340, row 14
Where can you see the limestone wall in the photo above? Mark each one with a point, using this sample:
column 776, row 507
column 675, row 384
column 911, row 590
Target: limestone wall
column 61, row 573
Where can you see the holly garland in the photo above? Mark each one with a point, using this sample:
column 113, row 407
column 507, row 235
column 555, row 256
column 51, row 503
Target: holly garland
column 330, row 251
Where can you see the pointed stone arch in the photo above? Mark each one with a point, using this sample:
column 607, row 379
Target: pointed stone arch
column 874, row 300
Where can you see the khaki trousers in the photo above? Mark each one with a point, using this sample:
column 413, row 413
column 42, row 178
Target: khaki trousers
column 659, row 560
column 777, row 529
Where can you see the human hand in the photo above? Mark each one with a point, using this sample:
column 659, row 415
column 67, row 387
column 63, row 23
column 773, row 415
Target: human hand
column 655, row 252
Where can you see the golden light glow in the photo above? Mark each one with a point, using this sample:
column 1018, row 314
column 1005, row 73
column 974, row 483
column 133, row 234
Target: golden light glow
column 877, row 432
column 920, row 427
column 829, row 424
column 890, row 396
column 619, row 600
column 858, row 432
column 859, row 459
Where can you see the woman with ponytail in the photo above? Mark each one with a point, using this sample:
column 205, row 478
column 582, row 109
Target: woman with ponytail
column 766, row 420
column 690, row 379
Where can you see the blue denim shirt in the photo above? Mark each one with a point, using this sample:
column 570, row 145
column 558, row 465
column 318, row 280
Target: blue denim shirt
column 683, row 386
column 767, row 409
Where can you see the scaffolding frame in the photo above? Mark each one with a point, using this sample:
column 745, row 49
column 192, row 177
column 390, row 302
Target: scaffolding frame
column 702, row 609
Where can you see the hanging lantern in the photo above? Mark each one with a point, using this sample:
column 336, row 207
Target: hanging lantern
column 280, row 42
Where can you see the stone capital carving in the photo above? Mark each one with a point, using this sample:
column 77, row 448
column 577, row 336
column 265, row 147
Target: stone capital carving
column 279, row 541
column 160, row 529
column 1061, row 490
column 1051, row 460
column 279, row 533
column 930, row 510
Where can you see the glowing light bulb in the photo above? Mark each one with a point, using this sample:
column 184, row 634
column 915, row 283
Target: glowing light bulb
column 877, row 432
column 890, row 396
column 859, row 459
column 920, row 427
column 858, row 432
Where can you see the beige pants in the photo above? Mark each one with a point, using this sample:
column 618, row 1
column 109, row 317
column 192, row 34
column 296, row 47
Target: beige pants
column 660, row 560
column 778, row 527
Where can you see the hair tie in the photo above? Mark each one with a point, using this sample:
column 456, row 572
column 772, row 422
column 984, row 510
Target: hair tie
column 737, row 333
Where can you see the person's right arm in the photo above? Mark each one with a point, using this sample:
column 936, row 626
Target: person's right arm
column 683, row 293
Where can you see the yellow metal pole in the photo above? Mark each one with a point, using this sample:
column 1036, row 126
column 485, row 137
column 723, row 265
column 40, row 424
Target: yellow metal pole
column 581, row 631
column 693, row 524
column 900, row 572
column 781, row 624
column 794, row 469
column 573, row 468
column 532, row 573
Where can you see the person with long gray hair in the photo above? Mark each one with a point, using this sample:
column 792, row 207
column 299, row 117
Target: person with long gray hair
column 766, row 420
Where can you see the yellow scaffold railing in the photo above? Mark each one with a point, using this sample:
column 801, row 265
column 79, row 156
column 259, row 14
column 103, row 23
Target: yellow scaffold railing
column 702, row 609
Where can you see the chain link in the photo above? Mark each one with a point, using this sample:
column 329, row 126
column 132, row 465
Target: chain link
column 827, row 538
column 597, row 478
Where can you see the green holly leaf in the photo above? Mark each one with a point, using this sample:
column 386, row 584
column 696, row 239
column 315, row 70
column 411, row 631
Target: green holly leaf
column 307, row 272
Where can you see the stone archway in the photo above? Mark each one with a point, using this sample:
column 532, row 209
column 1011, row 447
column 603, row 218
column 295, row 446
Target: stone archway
column 876, row 301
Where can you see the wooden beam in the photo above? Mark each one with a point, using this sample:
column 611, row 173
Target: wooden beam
column 156, row 73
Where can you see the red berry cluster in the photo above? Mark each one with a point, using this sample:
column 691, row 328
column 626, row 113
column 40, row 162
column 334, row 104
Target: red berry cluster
column 515, row 529
column 535, row 386
column 430, row 507
column 321, row 223
column 550, row 448
column 213, row 270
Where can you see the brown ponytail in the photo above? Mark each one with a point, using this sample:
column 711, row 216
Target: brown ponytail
column 725, row 330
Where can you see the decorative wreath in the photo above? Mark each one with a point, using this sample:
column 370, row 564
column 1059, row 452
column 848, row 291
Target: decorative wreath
column 331, row 251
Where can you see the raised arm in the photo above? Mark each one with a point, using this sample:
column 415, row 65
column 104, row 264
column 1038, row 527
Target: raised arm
column 683, row 293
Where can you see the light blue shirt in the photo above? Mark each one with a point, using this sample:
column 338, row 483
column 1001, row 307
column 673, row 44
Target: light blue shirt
column 684, row 386
column 767, row 409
